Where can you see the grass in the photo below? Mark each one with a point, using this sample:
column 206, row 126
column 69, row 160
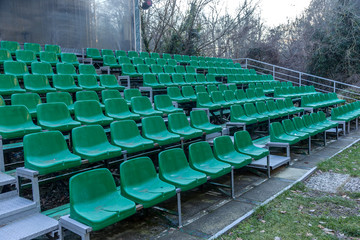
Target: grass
column 302, row 213
column 346, row 162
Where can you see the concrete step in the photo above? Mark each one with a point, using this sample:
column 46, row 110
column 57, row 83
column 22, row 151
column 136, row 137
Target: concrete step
column 6, row 179
column 28, row 227
column 15, row 207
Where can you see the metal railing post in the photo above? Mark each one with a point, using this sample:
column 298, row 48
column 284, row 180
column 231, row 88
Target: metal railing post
column 246, row 63
column 274, row 72
column 300, row 78
column 334, row 86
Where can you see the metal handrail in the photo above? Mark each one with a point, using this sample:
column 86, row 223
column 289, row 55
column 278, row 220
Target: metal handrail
column 298, row 78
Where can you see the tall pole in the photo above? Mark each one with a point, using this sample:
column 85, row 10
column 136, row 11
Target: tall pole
column 137, row 26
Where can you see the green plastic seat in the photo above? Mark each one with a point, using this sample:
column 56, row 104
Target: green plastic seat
column 150, row 62
column 88, row 95
column 199, row 120
column 144, row 55
column 308, row 122
column 129, row 70
column 280, row 103
column 154, row 128
column 9, row 85
column 137, row 61
column 142, row 106
column 34, row 47
column 110, row 61
column 175, row 95
column 47, row 152
column 179, row 124
column 29, row 100
column 118, row 109
column 204, row 101
column 89, row 112
column 161, row 61
column 324, row 120
column 88, row 69
column 2, row 102
column 154, row 55
column 224, row 151
column 316, row 120
column 120, row 53
column 156, row 69
column 180, row 69
column 165, row 79
column 53, row 48
column 132, row 54
column 250, row 94
column 163, row 103
column 15, row 122
column 290, row 106
column 200, row 78
column 277, row 134
column 241, row 96
column 55, row 116
column 63, row 97
column 95, row 200
column 66, row 69
column 91, row 143
column 178, row 79
column 190, row 79
column 41, row 68
column 25, row 56
column 290, row 129
column 124, row 60
column 130, row 93
column 49, row 57
column 89, row 82
column 126, row 135
column 169, row 69
column 11, row 46
column 141, row 184
column 107, row 52
column 109, row 81
column 271, row 105
column 201, row 158
column 200, row 88
column 250, row 111
column 259, row 93
column 5, row 55
column 171, row 64
column 65, row 83
column 37, row 84
column 70, row 58
column 188, row 92
column 166, row 56
column 211, row 88
column 149, row 80
column 18, row 69
column 218, row 98
column 175, row 169
column 299, row 125
column 237, row 114
column 110, row 94
column 243, row 144
column 262, row 109
column 93, row 53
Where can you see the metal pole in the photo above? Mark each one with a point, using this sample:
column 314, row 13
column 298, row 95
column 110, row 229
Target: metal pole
column 268, row 165
column 300, row 78
column 232, row 183
column 246, row 63
column 178, row 195
column 334, row 87
column 274, row 72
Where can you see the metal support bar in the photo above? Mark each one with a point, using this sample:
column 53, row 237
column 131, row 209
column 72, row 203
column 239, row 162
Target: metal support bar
column 178, row 196
column 127, row 78
column 2, row 162
column 33, row 176
column 324, row 138
column 74, row 226
column 309, row 145
column 268, row 165
column 232, row 183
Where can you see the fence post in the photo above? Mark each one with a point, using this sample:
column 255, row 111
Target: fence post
column 334, row 86
column 300, row 79
column 274, row 72
column 246, row 63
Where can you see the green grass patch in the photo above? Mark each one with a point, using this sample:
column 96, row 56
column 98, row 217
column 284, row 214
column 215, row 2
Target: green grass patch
column 346, row 162
column 301, row 214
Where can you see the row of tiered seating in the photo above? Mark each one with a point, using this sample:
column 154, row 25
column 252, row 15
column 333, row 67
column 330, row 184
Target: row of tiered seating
column 321, row 100
column 294, row 92
column 13, row 46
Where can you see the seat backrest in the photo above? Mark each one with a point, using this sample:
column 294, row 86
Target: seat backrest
column 25, row 55
column 200, row 88
column 223, row 146
column 150, row 79
column 88, row 136
column 222, row 87
column 12, row 46
column 166, row 56
column 136, row 172
column 242, row 139
column 190, row 69
column 128, row 68
column 188, row 91
column 198, row 117
column 150, row 61
column 161, row 62
column 123, row 130
column 52, row 48
column 190, row 78
column 131, row 92
column 173, row 92
column 172, row 161
column 107, row 52
column 169, row 69
column 11, row 67
column 36, row 81
column 8, row 81
column 307, row 120
column 124, row 60
column 178, row 78
column 87, row 69
column 65, row 68
column 154, row 55
column 315, row 117
column 116, row 106
column 52, row 112
column 87, row 108
column 140, row 103
column 5, row 55
column 172, row 62
column 144, row 54
column 298, row 123
column 240, row 94
column 288, row 103
column 276, row 129
column 271, row 105
column 120, row 53
column 87, row 80
column 63, row 80
column 63, row 97
column 69, row 58
column 92, row 52
column 235, row 112
column 261, row 107
column 162, row 101
column 200, row 78
column 48, row 57
column 249, row 109
column 164, row 78
column 211, row 88
column 288, row 125
column 30, row 100
column 229, row 96
column 132, row 54
column 217, row 97
column 203, row 98
column 177, row 121
column 280, row 104
column 110, row 94
column 322, row 116
column 87, row 95
column 90, row 186
column 41, row 68
column 156, row 68
column 259, row 92
column 14, row 115
column 200, row 152
column 137, row 61
column 108, row 80
column 153, row 125
column 250, row 93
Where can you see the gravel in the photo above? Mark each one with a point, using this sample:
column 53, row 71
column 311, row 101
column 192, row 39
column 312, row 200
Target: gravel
column 327, row 182
column 352, row 185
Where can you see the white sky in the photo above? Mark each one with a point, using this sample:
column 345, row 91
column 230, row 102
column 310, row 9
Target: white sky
column 275, row 12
